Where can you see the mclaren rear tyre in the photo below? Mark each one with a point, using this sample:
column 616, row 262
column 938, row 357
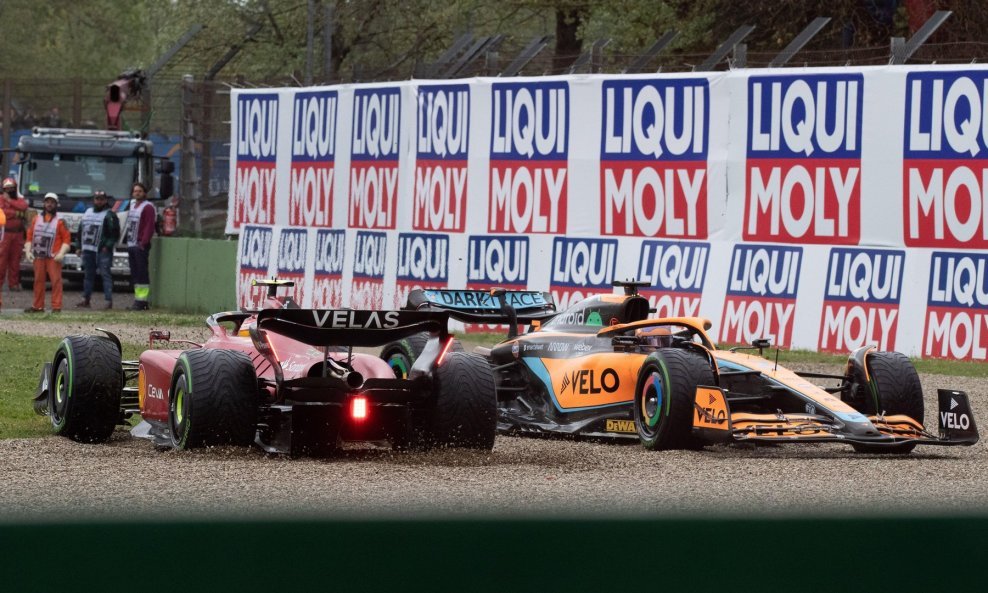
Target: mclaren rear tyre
column 213, row 399
column 664, row 398
column 894, row 388
column 465, row 414
column 84, row 392
column 401, row 355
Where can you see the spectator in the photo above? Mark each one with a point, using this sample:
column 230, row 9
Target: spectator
column 48, row 242
column 99, row 232
column 14, row 207
column 54, row 118
column 141, row 220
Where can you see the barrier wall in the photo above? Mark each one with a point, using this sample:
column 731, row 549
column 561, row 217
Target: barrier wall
column 193, row 275
column 821, row 208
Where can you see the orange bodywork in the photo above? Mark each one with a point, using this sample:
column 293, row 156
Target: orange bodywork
column 594, row 380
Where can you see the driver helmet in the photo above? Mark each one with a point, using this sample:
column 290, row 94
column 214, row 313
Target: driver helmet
column 660, row 337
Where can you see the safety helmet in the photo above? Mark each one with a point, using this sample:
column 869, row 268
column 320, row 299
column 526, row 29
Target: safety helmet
column 52, row 196
column 9, row 182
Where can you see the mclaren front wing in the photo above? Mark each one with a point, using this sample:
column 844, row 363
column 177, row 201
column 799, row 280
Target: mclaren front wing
column 713, row 422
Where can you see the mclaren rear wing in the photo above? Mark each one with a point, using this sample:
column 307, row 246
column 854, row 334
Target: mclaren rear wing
column 485, row 306
column 713, row 421
column 351, row 327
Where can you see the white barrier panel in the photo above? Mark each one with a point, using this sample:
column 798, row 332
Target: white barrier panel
column 822, row 208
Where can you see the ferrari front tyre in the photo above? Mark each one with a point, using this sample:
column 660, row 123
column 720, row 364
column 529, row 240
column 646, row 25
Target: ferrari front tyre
column 664, row 393
column 85, row 388
column 465, row 412
column 895, row 388
column 213, row 399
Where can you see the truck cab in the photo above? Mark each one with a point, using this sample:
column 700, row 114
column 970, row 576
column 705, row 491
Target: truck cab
column 74, row 163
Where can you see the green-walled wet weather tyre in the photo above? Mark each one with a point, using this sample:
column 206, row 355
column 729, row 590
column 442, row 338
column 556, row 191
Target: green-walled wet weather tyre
column 213, row 399
column 85, row 387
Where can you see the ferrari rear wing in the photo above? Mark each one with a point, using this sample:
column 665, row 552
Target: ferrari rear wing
column 351, row 327
column 485, row 306
column 713, row 421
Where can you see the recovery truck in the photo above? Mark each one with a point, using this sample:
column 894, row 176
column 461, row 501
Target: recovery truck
column 74, row 163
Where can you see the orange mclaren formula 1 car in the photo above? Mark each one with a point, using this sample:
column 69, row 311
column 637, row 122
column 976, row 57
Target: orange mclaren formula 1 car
column 604, row 367
column 282, row 377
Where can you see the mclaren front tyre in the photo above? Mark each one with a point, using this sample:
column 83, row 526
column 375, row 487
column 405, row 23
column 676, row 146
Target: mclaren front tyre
column 894, row 388
column 663, row 404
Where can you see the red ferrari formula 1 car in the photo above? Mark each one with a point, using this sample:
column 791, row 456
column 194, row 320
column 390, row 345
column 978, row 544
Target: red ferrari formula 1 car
column 604, row 367
column 282, row 377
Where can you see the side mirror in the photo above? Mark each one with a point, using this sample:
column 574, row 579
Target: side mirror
column 158, row 335
column 165, row 166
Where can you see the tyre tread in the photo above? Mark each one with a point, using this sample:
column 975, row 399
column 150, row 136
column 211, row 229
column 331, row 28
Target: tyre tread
column 94, row 409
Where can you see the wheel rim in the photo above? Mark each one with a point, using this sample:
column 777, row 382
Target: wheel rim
column 60, row 390
column 650, row 402
column 178, row 410
column 180, row 406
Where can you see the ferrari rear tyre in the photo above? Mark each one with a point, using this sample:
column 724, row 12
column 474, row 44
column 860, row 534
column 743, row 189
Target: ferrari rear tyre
column 85, row 387
column 465, row 414
column 896, row 389
column 213, row 399
column 663, row 404
column 402, row 354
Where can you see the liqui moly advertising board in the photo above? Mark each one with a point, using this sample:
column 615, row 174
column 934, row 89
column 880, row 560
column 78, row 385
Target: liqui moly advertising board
column 254, row 258
column 761, row 294
column 957, row 307
column 310, row 196
column 327, row 280
column 369, row 256
column 529, row 176
column 804, row 159
column 945, row 160
column 861, row 299
column 290, row 265
column 423, row 262
column 375, row 149
column 653, row 158
column 675, row 271
column 256, row 146
column 496, row 261
column 441, row 150
column 581, row 268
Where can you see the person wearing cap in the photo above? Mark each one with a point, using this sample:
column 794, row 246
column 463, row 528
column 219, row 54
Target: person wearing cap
column 48, row 240
column 14, row 209
column 141, row 220
column 99, row 232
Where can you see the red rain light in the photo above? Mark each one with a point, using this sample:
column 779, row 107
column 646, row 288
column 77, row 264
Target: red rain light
column 446, row 347
column 358, row 408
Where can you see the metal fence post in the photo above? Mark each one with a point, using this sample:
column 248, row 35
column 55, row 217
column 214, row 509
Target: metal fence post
column 189, row 193
column 7, row 162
